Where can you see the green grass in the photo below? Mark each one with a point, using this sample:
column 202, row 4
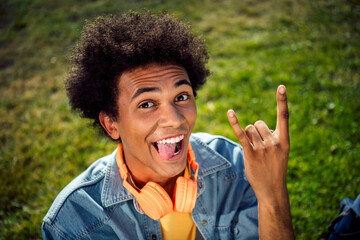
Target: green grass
column 310, row 46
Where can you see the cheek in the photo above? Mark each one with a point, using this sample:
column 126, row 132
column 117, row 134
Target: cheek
column 134, row 135
column 195, row 113
column 131, row 127
column 142, row 125
column 138, row 125
column 192, row 114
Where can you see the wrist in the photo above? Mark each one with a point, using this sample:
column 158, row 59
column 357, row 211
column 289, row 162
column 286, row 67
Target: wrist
column 275, row 200
column 275, row 217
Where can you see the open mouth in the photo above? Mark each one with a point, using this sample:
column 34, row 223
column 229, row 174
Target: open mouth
column 167, row 148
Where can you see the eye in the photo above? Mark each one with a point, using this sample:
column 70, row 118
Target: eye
column 146, row 105
column 182, row 97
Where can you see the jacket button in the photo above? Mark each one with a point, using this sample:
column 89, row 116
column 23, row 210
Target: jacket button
column 204, row 222
column 153, row 237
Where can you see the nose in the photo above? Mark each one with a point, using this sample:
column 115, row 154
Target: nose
column 171, row 116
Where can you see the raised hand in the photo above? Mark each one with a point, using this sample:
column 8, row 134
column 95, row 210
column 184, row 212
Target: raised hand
column 266, row 155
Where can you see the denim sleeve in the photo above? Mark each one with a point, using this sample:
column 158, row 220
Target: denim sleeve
column 247, row 224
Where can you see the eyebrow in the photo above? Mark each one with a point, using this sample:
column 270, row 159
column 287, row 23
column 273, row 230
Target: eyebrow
column 155, row 89
column 182, row 82
column 144, row 90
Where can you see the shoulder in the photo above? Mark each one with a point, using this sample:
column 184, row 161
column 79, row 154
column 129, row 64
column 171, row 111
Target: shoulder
column 213, row 140
column 223, row 146
column 78, row 200
column 212, row 150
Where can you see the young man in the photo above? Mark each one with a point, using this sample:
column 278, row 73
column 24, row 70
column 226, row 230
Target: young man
column 136, row 77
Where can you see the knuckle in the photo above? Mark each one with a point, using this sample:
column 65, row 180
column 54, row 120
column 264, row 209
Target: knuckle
column 259, row 148
column 285, row 114
column 234, row 121
column 276, row 145
column 273, row 143
column 249, row 128
column 259, row 123
column 240, row 135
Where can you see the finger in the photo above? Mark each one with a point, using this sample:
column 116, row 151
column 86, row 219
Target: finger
column 253, row 135
column 282, row 125
column 239, row 132
column 248, row 134
column 263, row 129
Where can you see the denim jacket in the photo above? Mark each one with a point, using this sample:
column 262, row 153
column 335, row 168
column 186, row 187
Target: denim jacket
column 95, row 205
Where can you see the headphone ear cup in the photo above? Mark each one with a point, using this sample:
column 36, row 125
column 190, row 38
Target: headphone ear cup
column 184, row 197
column 154, row 201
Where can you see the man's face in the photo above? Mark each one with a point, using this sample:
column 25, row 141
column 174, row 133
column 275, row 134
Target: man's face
column 157, row 113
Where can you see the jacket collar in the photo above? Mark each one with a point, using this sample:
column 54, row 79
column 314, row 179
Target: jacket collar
column 209, row 161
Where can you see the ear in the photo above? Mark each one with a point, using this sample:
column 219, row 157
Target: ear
column 110, row 125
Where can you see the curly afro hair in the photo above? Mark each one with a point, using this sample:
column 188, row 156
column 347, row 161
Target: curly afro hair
column 112, row 45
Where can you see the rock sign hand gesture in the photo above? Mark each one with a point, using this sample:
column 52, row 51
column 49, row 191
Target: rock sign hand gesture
column 266, row 155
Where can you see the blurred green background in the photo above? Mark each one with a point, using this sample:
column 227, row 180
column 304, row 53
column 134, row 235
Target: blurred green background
column 310, row 46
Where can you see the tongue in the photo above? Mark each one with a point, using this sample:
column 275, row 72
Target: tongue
column 167, row 150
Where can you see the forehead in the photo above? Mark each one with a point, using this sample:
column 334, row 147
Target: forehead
column 151, row 74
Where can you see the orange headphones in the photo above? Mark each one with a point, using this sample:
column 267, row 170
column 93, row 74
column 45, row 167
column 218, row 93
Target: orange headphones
column 154, row 200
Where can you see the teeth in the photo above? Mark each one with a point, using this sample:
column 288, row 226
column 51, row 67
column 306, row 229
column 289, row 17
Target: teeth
column 171, row 140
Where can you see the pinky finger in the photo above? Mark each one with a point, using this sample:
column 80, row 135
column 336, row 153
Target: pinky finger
column 239, row 132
